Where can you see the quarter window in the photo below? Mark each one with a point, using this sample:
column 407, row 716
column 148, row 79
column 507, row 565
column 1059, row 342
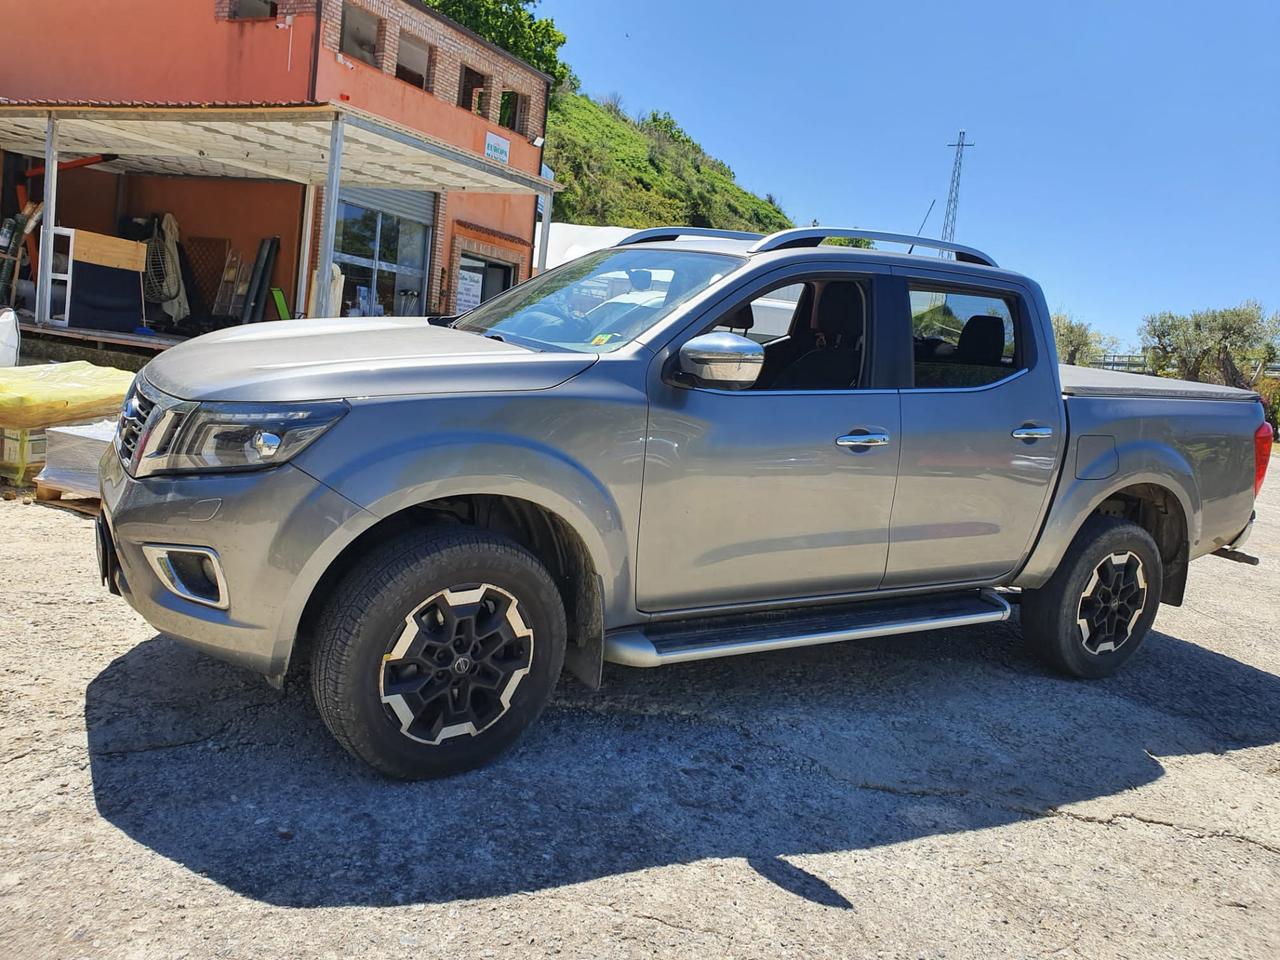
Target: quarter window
column 961, row 338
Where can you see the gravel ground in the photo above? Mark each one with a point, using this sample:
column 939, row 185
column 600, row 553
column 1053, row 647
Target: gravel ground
column 929, row 796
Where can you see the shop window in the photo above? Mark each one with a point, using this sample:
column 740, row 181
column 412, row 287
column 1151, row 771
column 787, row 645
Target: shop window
column 413, row 62
column 480, row 279
column 512, row 110
column 383, row 259
column 471, row 95
column 252, row 9
column 359, row 34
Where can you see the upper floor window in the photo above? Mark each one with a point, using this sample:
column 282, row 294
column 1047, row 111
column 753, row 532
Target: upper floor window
column 471, row 89
column 413, row 62
column 963, row 338
column 252, row 9
column 359, row 34
column 513, row 111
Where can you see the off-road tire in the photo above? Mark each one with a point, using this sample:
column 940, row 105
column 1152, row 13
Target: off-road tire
column 371, row 608
column 1052, row 615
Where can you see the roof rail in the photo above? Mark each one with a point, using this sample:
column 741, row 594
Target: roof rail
column 654, row 234
column 812, row 236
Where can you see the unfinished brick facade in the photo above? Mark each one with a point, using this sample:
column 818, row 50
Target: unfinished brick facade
column 451, row 49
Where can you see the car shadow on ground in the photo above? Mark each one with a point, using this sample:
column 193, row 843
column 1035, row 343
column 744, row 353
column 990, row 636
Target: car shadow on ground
column 833, row 748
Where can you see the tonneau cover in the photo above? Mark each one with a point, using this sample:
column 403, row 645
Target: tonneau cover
column 1092, row 382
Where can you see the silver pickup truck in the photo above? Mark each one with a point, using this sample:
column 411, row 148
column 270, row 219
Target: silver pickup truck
column 446, row 514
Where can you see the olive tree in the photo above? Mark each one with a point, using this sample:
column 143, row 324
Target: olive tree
column 1079, row 343
column 1231, row 345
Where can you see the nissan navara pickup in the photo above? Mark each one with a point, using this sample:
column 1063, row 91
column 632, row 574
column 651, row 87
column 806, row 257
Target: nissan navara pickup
column 694, row 444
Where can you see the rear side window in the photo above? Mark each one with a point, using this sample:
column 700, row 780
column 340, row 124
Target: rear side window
column 961, row 338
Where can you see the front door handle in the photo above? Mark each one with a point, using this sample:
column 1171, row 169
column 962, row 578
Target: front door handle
column 857, row 441
column 1032, row 433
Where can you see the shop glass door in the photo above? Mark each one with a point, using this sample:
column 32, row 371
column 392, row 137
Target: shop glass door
column 383, row 259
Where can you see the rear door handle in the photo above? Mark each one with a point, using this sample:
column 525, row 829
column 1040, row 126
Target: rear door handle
column 859, row 440
column 1032, row 433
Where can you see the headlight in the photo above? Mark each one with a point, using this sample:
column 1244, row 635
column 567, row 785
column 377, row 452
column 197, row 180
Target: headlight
column 215, row 437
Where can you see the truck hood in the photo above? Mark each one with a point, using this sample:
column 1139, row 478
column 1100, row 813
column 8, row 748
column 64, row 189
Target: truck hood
column 1092, row 382
column 296, row 360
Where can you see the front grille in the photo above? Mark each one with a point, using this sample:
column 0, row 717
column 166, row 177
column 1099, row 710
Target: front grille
column 133, row 422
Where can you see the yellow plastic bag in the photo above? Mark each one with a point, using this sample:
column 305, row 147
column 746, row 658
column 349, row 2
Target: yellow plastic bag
column 58, row 393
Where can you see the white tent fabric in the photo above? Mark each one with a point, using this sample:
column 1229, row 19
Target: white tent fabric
column 569, row 241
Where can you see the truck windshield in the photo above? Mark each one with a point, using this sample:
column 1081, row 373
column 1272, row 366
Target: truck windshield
column 599, row 302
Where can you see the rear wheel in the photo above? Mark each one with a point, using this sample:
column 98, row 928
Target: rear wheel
column 438, row 652
column 1097, row 608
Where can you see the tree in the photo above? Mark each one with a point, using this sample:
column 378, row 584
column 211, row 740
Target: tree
column 1231, row 345
column 512, row 25
column 1079, row 343
column 1175, row 342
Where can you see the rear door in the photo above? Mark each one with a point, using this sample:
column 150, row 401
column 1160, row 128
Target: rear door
column 982, row 425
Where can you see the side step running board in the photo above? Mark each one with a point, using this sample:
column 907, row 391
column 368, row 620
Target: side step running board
column 706, row 638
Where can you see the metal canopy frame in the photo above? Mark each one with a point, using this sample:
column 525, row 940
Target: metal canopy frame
column 321, row 145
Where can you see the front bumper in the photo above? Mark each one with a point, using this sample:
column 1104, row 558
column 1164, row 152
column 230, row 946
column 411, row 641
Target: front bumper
column 275, row 531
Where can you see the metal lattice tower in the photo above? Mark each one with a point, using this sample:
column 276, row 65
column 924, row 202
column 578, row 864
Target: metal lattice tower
column 953, row 196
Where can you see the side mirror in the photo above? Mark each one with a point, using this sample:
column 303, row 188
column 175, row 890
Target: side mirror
column 723, row 360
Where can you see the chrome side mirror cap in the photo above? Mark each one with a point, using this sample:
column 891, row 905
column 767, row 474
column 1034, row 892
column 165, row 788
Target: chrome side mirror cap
column 722, row 360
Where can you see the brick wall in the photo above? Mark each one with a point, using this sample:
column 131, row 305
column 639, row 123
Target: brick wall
column 438, row 285
column 451, row 48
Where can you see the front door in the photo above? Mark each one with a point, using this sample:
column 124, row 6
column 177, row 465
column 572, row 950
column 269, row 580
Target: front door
column 981, row 429
column 760, row 495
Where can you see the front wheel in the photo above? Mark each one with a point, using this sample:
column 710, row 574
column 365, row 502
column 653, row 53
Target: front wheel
column 438, row 652
column 1097, row 608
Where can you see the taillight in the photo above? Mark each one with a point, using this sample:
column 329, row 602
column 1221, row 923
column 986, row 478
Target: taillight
column 1262, row 438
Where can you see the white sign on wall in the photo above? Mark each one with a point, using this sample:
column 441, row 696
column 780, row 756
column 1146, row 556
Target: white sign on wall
column 469, row 286
column 497, row 148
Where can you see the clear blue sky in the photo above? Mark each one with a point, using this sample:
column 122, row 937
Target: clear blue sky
column 1128, row 153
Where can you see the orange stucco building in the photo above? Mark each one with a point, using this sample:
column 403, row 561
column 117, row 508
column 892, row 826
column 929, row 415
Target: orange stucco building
column 221, row 92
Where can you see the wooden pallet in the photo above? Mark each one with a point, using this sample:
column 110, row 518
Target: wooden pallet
column 89, row 506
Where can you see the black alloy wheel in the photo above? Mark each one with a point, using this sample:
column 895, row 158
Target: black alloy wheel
column 456, row 664
column 1112, row 602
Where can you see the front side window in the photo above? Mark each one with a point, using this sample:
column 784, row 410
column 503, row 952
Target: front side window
column 962, row 338
column 766, row 318
column 813, row 331
column 599, row 302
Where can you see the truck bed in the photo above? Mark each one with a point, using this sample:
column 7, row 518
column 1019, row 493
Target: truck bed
column 1091, row 382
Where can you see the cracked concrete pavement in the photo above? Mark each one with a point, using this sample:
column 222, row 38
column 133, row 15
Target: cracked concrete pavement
column 930, row 796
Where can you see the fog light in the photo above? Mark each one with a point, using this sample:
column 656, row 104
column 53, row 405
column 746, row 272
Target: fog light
column 193, row 573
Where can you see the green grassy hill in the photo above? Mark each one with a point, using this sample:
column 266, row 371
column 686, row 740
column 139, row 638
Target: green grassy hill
column 643, row 173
